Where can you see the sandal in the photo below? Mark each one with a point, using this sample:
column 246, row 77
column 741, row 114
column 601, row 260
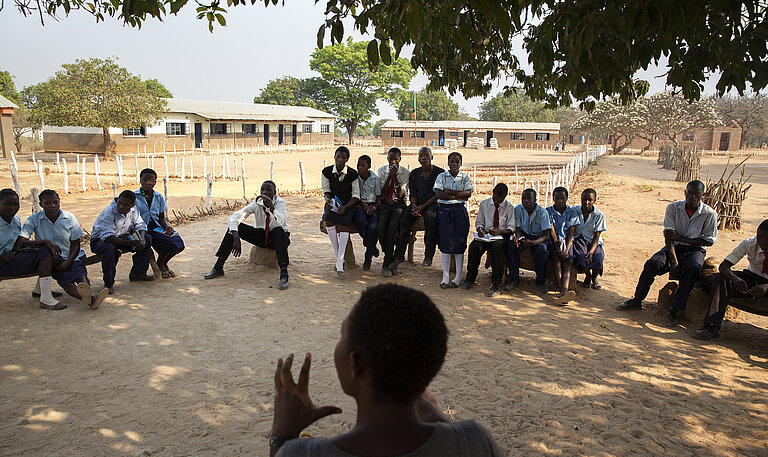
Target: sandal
column 171, row 273
column 596, row 286
column 165, row 274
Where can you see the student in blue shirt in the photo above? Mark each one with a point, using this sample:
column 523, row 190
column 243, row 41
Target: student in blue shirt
column 152, row 208
column 60, row 232
column 20, row 259
column 532, row 231
column 453, row 188
column 366, row 212
column 564, row 222
column 588, row 244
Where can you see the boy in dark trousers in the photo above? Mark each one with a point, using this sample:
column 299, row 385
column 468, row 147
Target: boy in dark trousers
column 394, row 184
column 366, row 213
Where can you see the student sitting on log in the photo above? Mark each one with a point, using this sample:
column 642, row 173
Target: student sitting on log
column 152, row 208
column 366, row 212
column 60, row 232
column 495, row 219
column 18, row 258
column 270, row 231
column 689, row 227
column 588, row 243
column 532, row 229
column 752, row 282
column 385, row 359
column 564, row 221
column 342, row 192
column 119, row 229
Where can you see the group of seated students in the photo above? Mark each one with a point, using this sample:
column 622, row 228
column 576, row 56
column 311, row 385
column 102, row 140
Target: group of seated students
column 376, row 204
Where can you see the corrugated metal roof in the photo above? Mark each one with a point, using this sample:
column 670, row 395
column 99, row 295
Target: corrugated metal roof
column 5, row 103
column 472, row 125
column 245, row 111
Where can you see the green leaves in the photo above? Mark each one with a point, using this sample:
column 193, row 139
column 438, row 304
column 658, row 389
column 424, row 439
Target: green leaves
column 373, row 54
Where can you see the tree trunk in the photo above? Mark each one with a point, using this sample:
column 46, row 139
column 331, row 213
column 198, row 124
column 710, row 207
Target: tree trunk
column 109, row 145
column 351, row 127
column 17, row 139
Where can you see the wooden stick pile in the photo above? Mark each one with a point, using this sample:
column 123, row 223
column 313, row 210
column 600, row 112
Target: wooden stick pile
column 666, row 158
column 688, row 164
column 726, row 197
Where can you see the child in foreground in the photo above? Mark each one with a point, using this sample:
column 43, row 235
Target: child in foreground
column 385, row 359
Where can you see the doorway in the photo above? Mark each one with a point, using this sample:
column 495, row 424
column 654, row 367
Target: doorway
column 466, row 134
column 198, row 135
column 725, row 140
column 488, row 136
column 441, row 137
column 280, row 128
column 266, row 134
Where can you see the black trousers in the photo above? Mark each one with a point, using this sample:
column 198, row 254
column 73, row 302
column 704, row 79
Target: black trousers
column 279, row 240
column 496, row 250
column 691, row 259
column 723, row 291
column 389, row 229
column 430, row 232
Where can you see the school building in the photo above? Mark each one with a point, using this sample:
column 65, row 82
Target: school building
column 725, row 137
column 209, row 125
column 7, row 143
column 509, row 135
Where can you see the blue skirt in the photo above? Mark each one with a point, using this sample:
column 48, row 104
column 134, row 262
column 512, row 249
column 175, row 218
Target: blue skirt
column 452, row 228
column 165, row 244
column 580, row 249
column 341, row 219
column 73, row 273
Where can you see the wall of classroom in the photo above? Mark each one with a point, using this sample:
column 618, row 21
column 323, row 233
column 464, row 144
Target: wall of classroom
column 431, row 138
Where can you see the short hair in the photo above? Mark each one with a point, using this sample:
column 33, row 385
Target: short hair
column 148, row 170
column 402, row 337
column 395, row 151
column 46, row 194
column 5, row 193
column 699, row 185
column 456, row 154
column 342, row 149
column 560, row 189
column 427, row 150
column 365, row 158
column 269, row 181
column 529, row 190
column 589, row 190
column 128, row 195
column 501, row 189
column 763, row 227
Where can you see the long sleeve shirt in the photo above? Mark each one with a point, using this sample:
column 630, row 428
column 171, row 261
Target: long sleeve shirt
column 403, row 176
column 277, row 218
column 111, row 223
column 326, row 184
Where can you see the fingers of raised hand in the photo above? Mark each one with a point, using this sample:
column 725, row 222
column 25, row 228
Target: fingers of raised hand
column 278, row 381
column 286, row 376
column 304, row 374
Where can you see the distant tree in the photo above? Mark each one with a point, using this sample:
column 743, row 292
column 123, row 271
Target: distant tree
column 750, row 112
column 354, row 87
column 22, row 124
column 95, row 93
column 515, row 107
column 8, row 87
column 670, row 115
column 611, row 118
column 430, row 106
column 311, row 92
column 566, row 117
column 376, row 129
column 364, row 129
column 157, row 88
column 464, row 115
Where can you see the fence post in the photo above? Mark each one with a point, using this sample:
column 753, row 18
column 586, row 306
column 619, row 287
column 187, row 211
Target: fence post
column 96, row 170
column 494, row 184
column 66, row 176
column 205, row 165
column 82, row 174
column 136, row 160
column 41, row 175
column 213, row 168
column 165, row 191
column 15, row 178
column 58, row 163
column 165, row 160
column 77, row 157
column 114, row 190
column 35, row 200
column 191, row 168
column 183, row 170
column 272, row 171
column 303, row 176
column 15, row 164
column 208, row 191
column 474, row 177
column 517, row 181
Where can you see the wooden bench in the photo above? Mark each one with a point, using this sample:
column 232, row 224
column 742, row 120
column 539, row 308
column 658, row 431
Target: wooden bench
column 96, row 258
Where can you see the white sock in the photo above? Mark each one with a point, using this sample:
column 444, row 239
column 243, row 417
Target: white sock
column 343, row 239
column 446, row 268
column 334, row 239
column 37, row 286
column 45, row 291
column 459, row 267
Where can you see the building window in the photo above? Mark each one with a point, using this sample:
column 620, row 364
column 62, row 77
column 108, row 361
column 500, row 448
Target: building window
column 417, row 134
column 175, row 128
column 396, row 133
column 542, row 137
column 218, row 128
column 325, row 128
column 518, row 136
column 250, row 129
column 688, row 136
column 136, row 131
column 306, row 128
column 453, row 133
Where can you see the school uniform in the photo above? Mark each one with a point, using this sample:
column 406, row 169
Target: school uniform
column 342, row 185
column 270, row 230
column 583, row 237
column 150, row 208
column 391, row 210
column 452, row 216
column 27, row 257
column 532, row 226
column 702, row 223
column 561, row 223
column 491, row 216
column 367, row 224
column 62, row 232
column 111, row 223
column 422, row 189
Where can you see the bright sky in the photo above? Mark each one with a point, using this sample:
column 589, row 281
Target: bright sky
column 259, row 44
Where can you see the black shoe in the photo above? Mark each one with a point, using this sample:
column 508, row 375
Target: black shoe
column 141, row 278
column 376, row 252
column 510, row 286
column 283, row 283
column 111, row 290
column 400, row 260
column 367, row 264
column 671, row 319
column 214, row 273
column 395, row 269
column 493, row 291
column 427, row 262
column 54, row 294
column 630, row 304
column 542, row 288
column 706, row 333
column 466, row 285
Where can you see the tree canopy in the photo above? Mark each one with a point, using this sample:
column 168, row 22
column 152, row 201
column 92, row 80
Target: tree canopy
column 311, row 92
column 8, row 87
column 353, row 87
column 515, row 107
column 94, row 93
column 750, row 112
column 585, row 50
column 157, row 88
column 430, row 106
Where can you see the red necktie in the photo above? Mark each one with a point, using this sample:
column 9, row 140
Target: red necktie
column 496, row 217
column 390, row 189
column 765, row 262
column 266, row 227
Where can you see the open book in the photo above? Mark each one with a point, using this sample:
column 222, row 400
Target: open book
column 488, row 237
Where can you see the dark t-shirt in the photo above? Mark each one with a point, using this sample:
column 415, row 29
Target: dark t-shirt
column 423, row 189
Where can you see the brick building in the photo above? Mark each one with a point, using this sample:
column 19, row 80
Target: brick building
column 509, row 135
column 720, row 138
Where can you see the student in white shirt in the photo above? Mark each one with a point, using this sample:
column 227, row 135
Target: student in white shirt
column 453, row 188
column 752, row 282
column 394, row 185
column 270, row 231
column 342, row 192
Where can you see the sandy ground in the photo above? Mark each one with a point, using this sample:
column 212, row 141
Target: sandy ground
column 184, row 366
